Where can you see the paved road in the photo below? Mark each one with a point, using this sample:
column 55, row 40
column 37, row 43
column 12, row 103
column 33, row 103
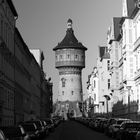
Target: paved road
column 72, row 130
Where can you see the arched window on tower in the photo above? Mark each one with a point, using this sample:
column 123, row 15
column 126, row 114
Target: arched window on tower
column 72, row 92
column 63, row 82
column 68, row 56
column 76, row 57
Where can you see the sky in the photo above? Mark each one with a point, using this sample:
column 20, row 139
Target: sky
column 43, row 24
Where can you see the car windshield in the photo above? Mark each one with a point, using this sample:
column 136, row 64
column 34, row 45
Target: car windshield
column 1, row 136
column 119, row 122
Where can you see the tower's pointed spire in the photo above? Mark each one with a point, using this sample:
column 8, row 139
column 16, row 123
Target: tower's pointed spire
column 70, row 41
column 69, row 24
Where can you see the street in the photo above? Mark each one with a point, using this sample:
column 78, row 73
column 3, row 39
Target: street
column 71, row 130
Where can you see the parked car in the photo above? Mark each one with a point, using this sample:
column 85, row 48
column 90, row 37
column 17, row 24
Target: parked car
column 97, row 123
column 40, row 128
column 101, row 124
column 2, row 137
column 46, row 127
column 115, row 125
column 30, row 130
column 50, row 125
column 91, row 124
column 128, row 130
column 12, row 133
column 108, row 123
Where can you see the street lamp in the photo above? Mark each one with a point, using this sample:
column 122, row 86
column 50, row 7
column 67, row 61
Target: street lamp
column 129, row 89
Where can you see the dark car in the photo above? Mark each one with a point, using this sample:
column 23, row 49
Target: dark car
column 102, row 124
column 30, row 130
column 13, row 133
column 45, row 126
column 2, row 137
column 50, row 125
column 115, row 125
column 40, row 128
column 109, row 122
column 128, row 130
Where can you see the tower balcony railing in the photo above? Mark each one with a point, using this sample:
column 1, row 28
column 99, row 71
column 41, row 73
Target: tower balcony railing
column 137, row 43
column 70, row 63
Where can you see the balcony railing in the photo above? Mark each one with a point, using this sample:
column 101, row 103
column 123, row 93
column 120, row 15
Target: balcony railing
column 121, row 61
column 137, row 44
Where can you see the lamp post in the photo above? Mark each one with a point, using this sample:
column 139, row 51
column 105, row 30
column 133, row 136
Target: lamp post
column 129, row 89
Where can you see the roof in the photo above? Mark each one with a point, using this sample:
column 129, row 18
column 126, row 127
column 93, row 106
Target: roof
column 70, row 41
column 106, row 55
column 102, row 51
column 116, row 22
column 10, row 3
column 131, row 7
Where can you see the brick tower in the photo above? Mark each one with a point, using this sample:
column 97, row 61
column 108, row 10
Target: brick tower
column 70, row 60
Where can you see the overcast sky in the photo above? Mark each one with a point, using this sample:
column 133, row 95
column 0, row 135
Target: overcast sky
column 42, row 24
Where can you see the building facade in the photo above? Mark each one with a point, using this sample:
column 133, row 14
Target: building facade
column 103, row 66
column 70, row 60
column 8, row 17
column 20, row 74
column 128, row 57
column 92, row 89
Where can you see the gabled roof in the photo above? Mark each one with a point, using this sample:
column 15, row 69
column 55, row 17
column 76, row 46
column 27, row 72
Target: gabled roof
column 131, row 7
column 10, row 3
column 70, row 41
column 116, row 22
column 102, row 50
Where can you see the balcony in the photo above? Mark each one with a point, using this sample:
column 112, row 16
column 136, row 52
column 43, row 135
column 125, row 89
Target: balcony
column 121, row 61
column 137, row 44
column 137, row 74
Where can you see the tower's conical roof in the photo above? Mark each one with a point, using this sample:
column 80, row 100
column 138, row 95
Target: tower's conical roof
column 70, row 41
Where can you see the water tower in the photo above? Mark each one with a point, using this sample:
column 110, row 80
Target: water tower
column 70, row 60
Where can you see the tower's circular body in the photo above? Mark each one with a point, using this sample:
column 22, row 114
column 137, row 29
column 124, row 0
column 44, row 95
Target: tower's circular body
column 70, row 60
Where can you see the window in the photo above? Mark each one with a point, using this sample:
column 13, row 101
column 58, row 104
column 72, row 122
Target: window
column 130, row 35
column 61, row 57
column 136, row 31
column 72, row 92
column 56, row 57
column 2, row 27
column 76, row 57
column 62, row 92
column 68, row 56
column 94, row 97
column 63, row 82
column 94, row 83
column 108, row 64
column 108, row 83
